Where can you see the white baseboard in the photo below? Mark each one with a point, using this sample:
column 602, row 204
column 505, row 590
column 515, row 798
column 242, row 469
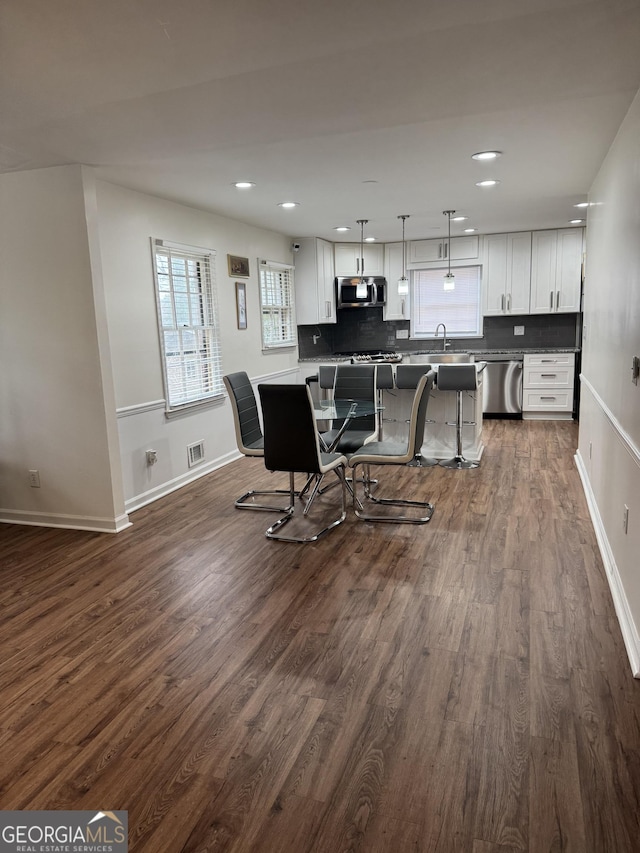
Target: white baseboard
column 67, row 522
column 623, row 612
column 138, row 501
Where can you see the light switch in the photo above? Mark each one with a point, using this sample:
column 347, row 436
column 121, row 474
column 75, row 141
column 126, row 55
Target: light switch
column 518, row 330
column 402, row 334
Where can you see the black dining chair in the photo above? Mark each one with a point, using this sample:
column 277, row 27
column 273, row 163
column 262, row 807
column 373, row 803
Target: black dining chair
column 354, row 382
column 291, row 443
column 394, row 453
column 249, row 438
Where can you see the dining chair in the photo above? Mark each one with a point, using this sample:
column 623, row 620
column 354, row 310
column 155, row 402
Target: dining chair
column 354, row 382
column 394, row 453
column 249, row 436
column 291, row 443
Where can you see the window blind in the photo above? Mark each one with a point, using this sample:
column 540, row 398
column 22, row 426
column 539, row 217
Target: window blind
column 277, row 305
column 458, row 309
column 188, row 322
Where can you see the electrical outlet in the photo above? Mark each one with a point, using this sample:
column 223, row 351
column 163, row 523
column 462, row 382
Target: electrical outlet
column 34, row 479
column 152, row 457
column 402, row 334
column 589, row 450
column 518, row 330
column 625, row 519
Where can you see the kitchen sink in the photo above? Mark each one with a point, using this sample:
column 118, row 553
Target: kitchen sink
column 441, row 358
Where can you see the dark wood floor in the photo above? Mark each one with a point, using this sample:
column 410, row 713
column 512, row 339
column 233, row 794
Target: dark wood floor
column 459, row 686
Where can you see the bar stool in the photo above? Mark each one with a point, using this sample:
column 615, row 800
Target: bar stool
column 408, row 376
column 384, row 382
column 458, row 378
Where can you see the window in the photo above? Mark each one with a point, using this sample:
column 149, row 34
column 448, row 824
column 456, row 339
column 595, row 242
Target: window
column 188, row 322
column 276, row 305
column 458, row 309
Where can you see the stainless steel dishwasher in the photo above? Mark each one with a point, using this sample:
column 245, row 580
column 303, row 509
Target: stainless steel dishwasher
column 502, row 385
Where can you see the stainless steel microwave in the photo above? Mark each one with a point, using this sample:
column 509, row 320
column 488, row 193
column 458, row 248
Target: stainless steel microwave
column 357, row 292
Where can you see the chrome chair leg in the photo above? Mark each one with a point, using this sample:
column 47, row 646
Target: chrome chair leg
column 272, row 531
column 358, row 506
column 458, row 461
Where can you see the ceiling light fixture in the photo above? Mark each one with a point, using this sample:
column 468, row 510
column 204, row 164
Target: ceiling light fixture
column 342, row 228
column 582, row 204
column 486, row 155
column 369, row 239
column 403, row 281
column 576, row 221
column 244, row 185
column 288, row 204
column 470, row 230
column 459, row 218
column 449, row 279
column 361, row 286
column 488, row 183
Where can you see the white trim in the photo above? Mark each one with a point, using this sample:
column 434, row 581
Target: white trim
column 620, row 602
column 68, row 522
column 266, row 377
column 170, row 486
column 140, row 408
column 615, row 423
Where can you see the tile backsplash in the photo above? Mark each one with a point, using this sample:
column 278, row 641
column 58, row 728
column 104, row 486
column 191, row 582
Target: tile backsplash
column 364, row 329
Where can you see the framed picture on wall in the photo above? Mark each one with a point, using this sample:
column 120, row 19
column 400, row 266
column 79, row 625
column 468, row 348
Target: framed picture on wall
column 241, row 304
column 238, row 266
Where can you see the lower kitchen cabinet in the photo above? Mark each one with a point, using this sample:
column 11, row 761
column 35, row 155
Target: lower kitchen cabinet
column 548, row 386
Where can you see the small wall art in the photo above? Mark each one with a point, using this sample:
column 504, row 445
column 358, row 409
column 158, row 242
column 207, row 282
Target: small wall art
column 241, row 304
column 238, row 266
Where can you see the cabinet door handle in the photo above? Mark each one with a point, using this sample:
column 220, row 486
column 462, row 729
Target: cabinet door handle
column 542, row 397
column 548, row 360
column 557, row 299
column 548, row 375
column 357, row 264
column 328, row 305
column 551, row 301
column 446, row 250
column 502, row 303
column 508, row 302
column 439, row 251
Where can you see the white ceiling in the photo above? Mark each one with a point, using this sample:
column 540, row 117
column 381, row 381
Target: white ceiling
column 356, row 109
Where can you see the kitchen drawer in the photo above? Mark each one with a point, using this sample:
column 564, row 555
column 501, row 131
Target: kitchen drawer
column 551, row 376
column 547, row 400
column 551, row 359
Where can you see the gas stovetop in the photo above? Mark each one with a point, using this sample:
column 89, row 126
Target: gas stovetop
column 366, row 356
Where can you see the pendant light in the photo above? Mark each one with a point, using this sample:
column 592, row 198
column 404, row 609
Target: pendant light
column 403, row 281
column 449, row 281
column 361, row 287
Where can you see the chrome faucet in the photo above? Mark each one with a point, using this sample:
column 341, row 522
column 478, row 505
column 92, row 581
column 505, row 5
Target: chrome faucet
column 444, row 336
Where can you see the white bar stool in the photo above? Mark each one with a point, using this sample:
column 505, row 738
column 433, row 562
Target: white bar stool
column 458, row 378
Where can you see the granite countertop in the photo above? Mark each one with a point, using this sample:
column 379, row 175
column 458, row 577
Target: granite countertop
column 327, row 359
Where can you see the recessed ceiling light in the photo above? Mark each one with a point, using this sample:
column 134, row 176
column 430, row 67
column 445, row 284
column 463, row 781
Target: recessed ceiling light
column 369, row 182
column 486, row 155
column 470, row 230
column 487, row 183
column 342, row 228
column 288, row 204
column 459, row 218
column 582, row 204
column 369, row 239
column 576, row 221
column 244, row 185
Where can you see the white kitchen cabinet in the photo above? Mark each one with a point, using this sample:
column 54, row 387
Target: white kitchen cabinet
column 506, row 273
column 432, row 251
column 556, row 271
column 548, row 385
column 397, row 305
column 349, row 261
column 314, row 282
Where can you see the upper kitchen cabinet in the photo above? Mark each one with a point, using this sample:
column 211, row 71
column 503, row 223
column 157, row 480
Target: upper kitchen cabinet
column 506, row 273
column 556, row 271
column 350, row 261
column 397, row 305
column 314, row 282
column 432, row 251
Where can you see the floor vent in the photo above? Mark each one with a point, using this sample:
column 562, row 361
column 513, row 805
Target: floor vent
column 195, row 453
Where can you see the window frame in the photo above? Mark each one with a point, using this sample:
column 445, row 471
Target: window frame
column 270, row 310
column 207, row 332
column 440, row 272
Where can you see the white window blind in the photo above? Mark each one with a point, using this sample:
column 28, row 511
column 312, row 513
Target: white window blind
column 458, row 309
column 188, row 322
column 276, row 305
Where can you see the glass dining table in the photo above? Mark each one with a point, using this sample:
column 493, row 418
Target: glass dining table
column 345, row 410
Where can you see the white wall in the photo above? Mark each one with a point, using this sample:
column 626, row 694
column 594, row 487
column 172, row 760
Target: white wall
column 609, row 445
column 56, row 395
column 126, row 222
